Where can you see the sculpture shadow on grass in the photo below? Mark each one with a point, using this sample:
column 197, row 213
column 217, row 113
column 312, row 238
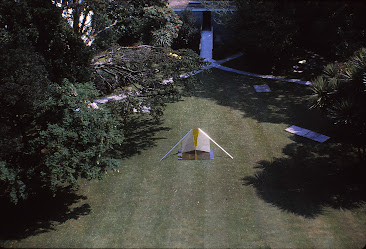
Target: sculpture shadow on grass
column 40, row 213
column 312, row 177
column 139, row 133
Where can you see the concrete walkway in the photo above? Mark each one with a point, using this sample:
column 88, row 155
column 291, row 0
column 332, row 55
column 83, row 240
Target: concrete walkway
column 271, row 77
column 217, row 64
column 206, row 44
column 207, row 54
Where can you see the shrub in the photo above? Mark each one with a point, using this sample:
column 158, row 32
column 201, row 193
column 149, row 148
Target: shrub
column 341, row 93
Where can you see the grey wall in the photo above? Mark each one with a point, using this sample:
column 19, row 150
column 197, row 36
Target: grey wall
column 224, row 44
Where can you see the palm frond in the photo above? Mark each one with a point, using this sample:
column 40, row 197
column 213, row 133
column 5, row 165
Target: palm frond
column 332, row 70
column 355, row 67
column 323, row 89
column 343, row 111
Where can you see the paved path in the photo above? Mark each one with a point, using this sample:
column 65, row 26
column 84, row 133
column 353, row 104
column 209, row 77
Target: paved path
column 206, row 47
column 271, row 77
column 217, row 64
column 214, row 64
column 206, row 44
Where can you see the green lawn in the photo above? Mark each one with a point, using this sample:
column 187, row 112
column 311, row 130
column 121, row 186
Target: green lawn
column 279, row 191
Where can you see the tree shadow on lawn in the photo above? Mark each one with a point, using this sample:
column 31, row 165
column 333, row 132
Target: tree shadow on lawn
column 40, row 213
column 43, row 212
column 287, row 103
column 139, row 133
column 310, row 178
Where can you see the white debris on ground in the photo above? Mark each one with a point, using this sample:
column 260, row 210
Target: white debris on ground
column 93, row 105
column 144, row 109
column 166, row 82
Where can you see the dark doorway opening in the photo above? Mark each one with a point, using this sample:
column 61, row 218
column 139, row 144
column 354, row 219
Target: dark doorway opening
column 206, row 22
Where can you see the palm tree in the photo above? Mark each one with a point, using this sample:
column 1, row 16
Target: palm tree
column 341, row 93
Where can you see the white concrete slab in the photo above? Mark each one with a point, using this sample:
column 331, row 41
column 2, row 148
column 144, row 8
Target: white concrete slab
column 307, row 133
column 206, row 44
column 320, row 138
column 312, row 135
column 101, row 101
column 297, row 130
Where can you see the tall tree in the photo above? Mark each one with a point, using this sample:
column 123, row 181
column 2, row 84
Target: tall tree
column 105, row 22
column 48, row 134
column 39, row 24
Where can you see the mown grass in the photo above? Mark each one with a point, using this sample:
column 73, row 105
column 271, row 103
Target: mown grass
column 279, row 191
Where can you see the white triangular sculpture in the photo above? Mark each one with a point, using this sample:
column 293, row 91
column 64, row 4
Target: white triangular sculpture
column 196, row 140
column 188, row 143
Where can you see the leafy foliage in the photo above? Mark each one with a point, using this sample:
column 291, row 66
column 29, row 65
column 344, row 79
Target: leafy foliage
column 145, row 75
column 68, row 140
column 189, row 33
column 48, row 134
column 265, row 32
column 123, row 22
column 22, row 85
column 338, row 26
column 273, row 32
column 146, row 22
column 341, row 93
column 264, row 26
column 76, row 144
column 39, row 24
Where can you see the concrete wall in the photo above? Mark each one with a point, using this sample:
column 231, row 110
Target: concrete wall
column 223, row 38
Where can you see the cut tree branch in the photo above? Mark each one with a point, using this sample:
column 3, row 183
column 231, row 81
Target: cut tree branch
column 100, row 31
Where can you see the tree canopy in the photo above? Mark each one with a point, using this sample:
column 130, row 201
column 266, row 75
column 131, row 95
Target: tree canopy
column 50, row 134
column 104, row 23
column 273, row 31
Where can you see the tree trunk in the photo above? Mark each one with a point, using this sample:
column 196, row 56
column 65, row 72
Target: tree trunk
column 76, row 15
